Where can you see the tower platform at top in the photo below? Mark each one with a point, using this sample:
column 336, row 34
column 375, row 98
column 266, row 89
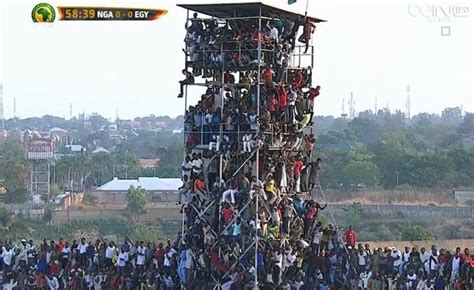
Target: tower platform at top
column 243, row 9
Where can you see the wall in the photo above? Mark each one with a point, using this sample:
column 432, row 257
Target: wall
column 169, row 211
column 108, row 197
column 72, row 200
column 412, row 210
column 463, row 196
column 166, row 213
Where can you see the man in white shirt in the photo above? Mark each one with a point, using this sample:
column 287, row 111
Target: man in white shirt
column 273, row 30
column 109, row 253
column 433, row 260
column 23, row 252
column 455, row 265
column 186, row 167
column 64, row 255
column 362, row 260
column 364, row 278
column 53, row 282
column 277, row 266
column 229, row 195
column 256, row 187
column 405, row 259
column 397, row 258
column 7, row 255
column 141, row 250
column 197, row 165
column 83, row 252
column 122, row 260
column 290, row 258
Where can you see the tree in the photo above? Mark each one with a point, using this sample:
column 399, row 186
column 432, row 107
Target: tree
column 13, row 170
column 366, row 130
column 416, row 233
column 137, row 197
column 365, row 172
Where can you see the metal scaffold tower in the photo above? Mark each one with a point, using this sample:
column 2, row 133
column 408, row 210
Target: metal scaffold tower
column 40, row 153
column 253, row 119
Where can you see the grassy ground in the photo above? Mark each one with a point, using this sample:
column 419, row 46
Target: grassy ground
column 402, row 196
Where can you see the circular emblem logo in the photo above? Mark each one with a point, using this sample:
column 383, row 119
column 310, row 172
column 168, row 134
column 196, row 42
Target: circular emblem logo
column 43, row 12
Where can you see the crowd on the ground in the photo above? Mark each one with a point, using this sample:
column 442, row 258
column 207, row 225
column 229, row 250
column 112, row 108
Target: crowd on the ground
column 329, row 260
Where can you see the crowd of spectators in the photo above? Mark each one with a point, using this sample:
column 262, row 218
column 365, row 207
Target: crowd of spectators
column 329, row 259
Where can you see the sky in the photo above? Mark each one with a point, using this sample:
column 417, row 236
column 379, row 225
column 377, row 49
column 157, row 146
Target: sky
column 369, row 47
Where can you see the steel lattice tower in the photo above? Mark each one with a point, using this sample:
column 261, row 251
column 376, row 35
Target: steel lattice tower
column 209, row 212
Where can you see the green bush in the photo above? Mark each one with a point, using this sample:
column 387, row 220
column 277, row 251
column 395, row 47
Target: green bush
column 416, row 233
column 89, row 199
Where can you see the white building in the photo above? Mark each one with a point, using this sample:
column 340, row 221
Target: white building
column 160, row 189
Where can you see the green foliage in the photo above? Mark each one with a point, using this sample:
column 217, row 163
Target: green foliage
column 48, row 214
column 416, row 233
column 137, row 198
column 366, row 172
column 325, row 221
column 55, row 190
column 5, row 217
column 146, row 233
column 354, row 213
column 116, row 227
column 89, row 199
column 13, row 169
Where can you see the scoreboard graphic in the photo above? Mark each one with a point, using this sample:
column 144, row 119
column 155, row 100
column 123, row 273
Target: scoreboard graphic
column 46, row 13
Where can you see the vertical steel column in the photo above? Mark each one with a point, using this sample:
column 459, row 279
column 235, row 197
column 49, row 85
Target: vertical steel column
column 185, row 110
column 259, row 56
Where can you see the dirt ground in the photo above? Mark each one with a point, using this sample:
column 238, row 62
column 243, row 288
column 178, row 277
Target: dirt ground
column 445, row 244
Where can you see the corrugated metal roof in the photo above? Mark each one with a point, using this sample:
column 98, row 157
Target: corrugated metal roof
column 243, row 9
column 148, row 183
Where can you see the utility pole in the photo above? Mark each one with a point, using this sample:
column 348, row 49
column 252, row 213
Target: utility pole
column 397, row 173
column 375, row 107
column 408, row 104
column 351, row 107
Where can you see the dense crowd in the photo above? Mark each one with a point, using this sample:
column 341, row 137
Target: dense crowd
column 330, row 260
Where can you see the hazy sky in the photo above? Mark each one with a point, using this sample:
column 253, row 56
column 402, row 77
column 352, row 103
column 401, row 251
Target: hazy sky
column 373, row 48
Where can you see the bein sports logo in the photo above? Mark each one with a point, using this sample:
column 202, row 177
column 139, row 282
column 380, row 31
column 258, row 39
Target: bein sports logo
column 438, row 13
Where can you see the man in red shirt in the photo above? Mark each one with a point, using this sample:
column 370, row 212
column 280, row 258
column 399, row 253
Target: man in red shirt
column 160, row 255
column 227, row 214
column 350, row 237
column 298, row 78
column 308, row 29
column 297, row 173
column 272, row 107
column 267, row 75
column 312, row 94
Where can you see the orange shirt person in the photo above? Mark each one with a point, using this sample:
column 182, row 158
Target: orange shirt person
column 199, row 185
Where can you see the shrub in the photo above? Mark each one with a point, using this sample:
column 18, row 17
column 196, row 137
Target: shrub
column 89, row 199
column 416, row 233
